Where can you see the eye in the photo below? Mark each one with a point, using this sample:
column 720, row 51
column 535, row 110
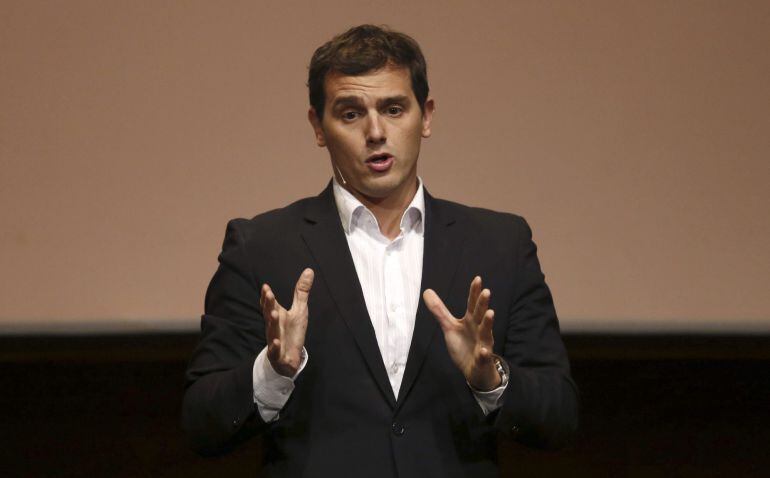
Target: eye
column 395, row 110
column 349, row 115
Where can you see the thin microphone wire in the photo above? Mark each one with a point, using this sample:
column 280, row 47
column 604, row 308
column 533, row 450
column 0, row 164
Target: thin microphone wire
column 341, row 176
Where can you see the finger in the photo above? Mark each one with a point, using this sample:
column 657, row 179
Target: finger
column 473, row 293
column 265, row 308
column 262, row 293
column 439, row 310
column 267, row 294
column 481, row 306
column 302, row 289
column 485, row 329
column 270, row 301
column 272, row 327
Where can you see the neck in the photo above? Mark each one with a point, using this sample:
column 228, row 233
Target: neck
column 390, row 209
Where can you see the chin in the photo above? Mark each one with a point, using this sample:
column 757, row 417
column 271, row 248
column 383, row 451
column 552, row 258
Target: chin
column 382, row 187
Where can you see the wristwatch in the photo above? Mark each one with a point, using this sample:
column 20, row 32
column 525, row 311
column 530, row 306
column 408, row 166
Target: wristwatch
column 502, row 369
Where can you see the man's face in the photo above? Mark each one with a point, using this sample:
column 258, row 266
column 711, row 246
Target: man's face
column 372, row 126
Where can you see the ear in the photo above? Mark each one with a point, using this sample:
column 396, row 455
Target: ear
column 427, row 116
column 315, row 122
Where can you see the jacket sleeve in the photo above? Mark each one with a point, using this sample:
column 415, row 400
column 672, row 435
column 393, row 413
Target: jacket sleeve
column 218, row 410
column 540, row 404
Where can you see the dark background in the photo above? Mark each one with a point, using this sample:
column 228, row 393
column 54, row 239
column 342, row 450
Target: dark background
column 652, row 405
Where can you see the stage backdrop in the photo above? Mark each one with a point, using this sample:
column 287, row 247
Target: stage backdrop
column 634, row 137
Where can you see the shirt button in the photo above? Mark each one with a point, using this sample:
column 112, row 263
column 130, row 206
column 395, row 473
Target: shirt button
column 394, row 368
column 397, row 428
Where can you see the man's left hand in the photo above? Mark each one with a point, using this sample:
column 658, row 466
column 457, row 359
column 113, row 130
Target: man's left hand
column 469, row 339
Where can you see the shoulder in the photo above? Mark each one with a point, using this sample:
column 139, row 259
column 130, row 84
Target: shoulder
column 482, row 219
column 270, row 225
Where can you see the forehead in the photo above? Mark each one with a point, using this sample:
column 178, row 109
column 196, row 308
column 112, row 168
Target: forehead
column 385, row 82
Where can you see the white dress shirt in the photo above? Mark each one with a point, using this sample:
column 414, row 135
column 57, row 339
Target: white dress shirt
column 390, row 273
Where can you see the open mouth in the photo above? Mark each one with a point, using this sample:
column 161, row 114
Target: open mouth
column 378, row 158
column 380, row 162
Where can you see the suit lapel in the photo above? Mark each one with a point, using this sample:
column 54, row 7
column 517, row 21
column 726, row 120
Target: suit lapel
column 441, row 256
column 324, row 236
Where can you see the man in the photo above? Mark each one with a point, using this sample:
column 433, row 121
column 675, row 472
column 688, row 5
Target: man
column 374, row 329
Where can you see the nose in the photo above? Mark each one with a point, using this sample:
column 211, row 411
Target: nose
column 375, row 131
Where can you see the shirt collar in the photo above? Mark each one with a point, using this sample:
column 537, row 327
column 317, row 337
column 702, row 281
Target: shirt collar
column 350, row 208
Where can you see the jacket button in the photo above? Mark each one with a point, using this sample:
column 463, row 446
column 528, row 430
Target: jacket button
column 515, row 430
column 397, row 428
column 236, row 422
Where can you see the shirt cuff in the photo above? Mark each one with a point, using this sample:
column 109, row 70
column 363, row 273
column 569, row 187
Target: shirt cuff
column 271, row 389
column 491, row 400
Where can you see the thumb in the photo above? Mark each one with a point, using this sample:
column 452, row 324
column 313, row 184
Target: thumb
column 302, row 289
column 437, row 308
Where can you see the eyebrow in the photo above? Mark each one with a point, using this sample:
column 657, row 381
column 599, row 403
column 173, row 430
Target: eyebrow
column 356, row 101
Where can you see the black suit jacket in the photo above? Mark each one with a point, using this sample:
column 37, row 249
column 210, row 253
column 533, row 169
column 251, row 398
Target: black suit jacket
column 342, row 418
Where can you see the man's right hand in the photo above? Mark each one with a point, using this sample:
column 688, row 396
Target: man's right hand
column 285, row 329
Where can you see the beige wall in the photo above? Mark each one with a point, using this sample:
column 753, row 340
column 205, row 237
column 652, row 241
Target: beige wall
column 634, row 137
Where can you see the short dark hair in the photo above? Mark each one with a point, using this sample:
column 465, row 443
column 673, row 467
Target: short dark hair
column 362, row 49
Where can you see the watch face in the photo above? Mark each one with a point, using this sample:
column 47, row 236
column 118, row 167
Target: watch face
column 501, row 371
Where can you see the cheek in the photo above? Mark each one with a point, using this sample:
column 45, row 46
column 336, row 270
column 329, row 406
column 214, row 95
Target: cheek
column 335, row 146
column 412, row 138
column 414, row 131
column 341, row 143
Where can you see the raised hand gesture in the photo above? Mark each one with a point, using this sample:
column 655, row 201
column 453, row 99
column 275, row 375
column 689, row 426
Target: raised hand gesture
column 285, row 329
column 469, row 339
